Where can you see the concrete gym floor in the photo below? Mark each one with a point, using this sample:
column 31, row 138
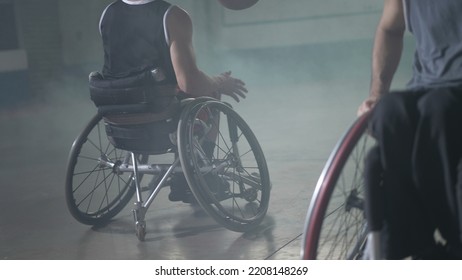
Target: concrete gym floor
column 297, row 128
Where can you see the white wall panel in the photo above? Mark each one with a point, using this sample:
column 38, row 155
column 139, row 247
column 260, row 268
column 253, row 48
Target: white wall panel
column 296, row 10
column 292, row 33
column 276, row 23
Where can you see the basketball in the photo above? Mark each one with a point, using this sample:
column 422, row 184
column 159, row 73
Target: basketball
column 237, row 4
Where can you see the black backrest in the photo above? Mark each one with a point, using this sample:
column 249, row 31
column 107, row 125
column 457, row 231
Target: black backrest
column 130, row 90
column 137, row 95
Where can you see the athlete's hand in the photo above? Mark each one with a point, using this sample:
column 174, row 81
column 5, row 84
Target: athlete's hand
column 368, row 104
column 228, row 85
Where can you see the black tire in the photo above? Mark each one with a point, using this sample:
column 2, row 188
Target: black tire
column 94, row 193
column 229, row 177
column 335, row 226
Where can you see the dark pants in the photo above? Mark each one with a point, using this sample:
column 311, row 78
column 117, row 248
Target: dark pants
column 419, row 135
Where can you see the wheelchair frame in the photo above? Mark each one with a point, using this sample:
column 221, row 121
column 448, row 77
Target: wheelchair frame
column 246, row 174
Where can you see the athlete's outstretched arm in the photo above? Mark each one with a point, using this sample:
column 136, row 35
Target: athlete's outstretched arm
column 190, row 78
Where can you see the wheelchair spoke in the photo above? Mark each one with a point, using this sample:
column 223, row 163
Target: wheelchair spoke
column 97, row 183
column 225, row 184
column 336, row 221
column 95, row 192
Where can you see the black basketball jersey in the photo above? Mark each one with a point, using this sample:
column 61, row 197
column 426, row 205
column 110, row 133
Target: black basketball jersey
column 134, row 39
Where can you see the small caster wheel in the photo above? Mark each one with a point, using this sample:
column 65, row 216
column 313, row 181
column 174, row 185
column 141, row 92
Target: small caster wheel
column 140, row 231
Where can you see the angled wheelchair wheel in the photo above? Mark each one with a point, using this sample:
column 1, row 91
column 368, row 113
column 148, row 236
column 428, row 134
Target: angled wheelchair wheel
column 223, row 164
column 335, row 226
column 96, row 190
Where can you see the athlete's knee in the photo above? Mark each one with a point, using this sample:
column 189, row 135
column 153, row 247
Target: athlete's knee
column 390, row 105
column 390, row 112
column 438, row 106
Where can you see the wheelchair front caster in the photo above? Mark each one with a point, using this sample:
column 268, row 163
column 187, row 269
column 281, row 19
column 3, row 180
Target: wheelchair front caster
column 140, row 229
column 140, row 224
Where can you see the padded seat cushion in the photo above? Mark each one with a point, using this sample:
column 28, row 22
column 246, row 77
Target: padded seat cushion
column 139, row 114
column 150, row 138
column 133, row 100
column 139, row 89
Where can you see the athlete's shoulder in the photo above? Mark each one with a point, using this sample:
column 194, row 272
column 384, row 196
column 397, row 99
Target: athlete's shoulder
column 178, row 14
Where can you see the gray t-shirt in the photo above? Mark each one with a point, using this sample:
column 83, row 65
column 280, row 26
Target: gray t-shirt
column 437, row 28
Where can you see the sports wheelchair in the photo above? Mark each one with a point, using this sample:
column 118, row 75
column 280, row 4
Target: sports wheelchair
column 336, row 225
column 140, row 138
column 346, row 216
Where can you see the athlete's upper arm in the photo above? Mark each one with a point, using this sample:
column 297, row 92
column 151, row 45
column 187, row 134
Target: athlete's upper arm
column 179, row 25
column 392, row 19
column 180, row 30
